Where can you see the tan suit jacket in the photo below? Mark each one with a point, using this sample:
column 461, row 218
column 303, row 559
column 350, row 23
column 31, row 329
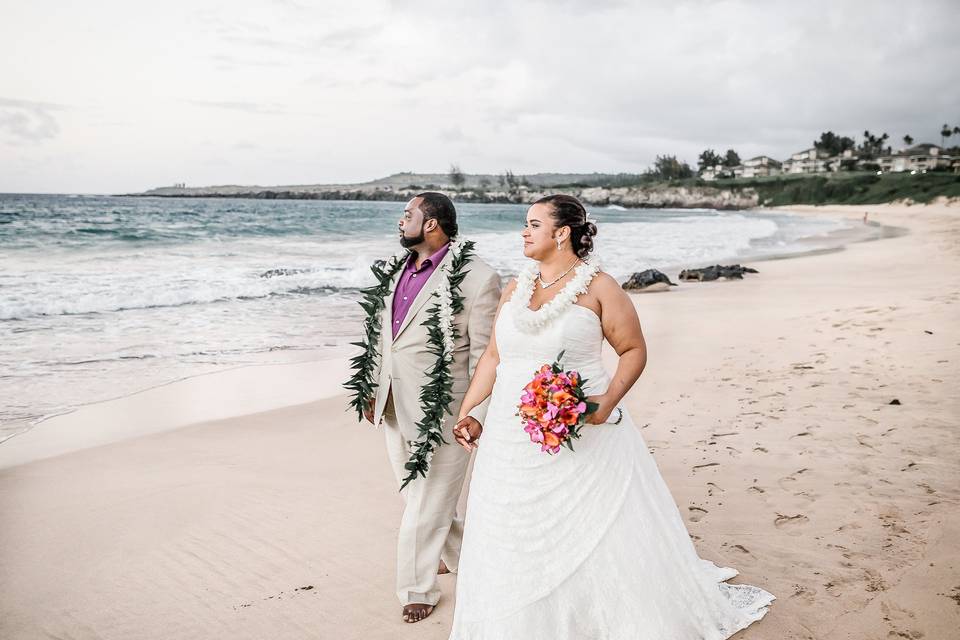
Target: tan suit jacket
column 405, row 360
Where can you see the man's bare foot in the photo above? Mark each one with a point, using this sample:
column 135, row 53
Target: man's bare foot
column 443, row 568
column 416, row 612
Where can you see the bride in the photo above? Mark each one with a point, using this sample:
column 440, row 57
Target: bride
column 585, row 544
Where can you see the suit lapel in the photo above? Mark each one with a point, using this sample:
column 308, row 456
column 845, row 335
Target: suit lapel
column 428, row 288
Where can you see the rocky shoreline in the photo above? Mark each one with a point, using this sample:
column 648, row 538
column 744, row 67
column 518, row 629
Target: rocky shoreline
column 658, row 197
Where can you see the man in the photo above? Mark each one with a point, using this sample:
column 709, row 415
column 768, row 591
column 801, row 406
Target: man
column 431, row 530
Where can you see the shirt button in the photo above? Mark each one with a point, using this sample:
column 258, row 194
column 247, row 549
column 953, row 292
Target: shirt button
column 396, row 322
column 414, row 275
column 404, row 297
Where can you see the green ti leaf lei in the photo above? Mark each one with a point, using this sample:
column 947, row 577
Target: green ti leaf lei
column 361, row 383
column 437, row 393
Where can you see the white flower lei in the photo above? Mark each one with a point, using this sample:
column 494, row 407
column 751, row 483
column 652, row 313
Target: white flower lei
column 530, row 321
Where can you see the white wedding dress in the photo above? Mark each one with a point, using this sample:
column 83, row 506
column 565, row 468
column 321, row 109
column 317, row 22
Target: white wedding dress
column 586, row 544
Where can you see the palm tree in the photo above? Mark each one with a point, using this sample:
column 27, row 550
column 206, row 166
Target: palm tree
column 945, row 133
column 908, row 140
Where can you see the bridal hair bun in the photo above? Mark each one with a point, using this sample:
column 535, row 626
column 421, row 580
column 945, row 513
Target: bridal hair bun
column 570, row 212
column 586, row 239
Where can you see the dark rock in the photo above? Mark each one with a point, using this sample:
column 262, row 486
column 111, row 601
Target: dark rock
column 644, row 279
column 730, row 272
column 894, row 401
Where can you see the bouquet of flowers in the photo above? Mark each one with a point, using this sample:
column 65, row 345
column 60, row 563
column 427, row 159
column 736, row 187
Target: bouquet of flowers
column 554, row 407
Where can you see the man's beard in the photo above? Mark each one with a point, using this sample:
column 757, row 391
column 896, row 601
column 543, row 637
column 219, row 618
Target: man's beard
column 406, row 242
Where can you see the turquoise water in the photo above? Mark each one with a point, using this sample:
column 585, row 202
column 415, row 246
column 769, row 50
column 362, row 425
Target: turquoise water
column 104, row 296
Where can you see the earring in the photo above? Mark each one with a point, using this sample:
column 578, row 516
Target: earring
column 559, row 243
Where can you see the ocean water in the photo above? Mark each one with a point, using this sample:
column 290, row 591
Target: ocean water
column 104, row 296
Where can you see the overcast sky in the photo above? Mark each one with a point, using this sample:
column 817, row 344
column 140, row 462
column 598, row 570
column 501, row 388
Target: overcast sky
column 116, row 96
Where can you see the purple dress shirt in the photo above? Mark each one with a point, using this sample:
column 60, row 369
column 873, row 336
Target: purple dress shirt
column 411, row 282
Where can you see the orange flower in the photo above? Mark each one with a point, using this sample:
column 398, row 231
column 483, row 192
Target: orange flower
column 550, row 439
column 529, row 410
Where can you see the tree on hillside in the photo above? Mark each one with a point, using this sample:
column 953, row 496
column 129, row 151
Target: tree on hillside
column 708, row 158
column 456, row 176
column 732, row 159
column 669, row 168
column 833, row 144
column 908, row 140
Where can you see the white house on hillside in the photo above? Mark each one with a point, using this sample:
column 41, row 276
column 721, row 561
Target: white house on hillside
column 919, row 157
column 759, row 166
column 810, row 160
column 716, row 171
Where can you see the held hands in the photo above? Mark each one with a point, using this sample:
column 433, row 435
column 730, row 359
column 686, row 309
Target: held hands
column 368, row 412
column 467, row 431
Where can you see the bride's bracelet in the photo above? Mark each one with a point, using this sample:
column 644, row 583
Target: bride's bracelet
column 619, row 416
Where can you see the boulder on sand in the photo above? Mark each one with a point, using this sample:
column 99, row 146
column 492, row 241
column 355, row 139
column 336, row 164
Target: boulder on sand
column 649, row 280
column 730, row 272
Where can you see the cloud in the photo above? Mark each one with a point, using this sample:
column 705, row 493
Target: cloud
column 27, row 121
column 235, row 105
column 371, row 87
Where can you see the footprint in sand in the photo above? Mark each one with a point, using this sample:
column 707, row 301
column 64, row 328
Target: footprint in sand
column 790, row 478
column 708, row 464
column 874, row 582
column 782, row 520
column 737, row 547
column 804, row 594
column 833, row 587
column 896, row 616
column 697, row 513
column 926, row 487
column 808, row 496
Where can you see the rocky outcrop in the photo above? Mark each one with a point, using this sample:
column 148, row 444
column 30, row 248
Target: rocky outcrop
column 664, row 196
column 672, row 197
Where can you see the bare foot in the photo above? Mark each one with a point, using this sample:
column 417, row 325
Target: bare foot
column 416, row 612
column 443, row 569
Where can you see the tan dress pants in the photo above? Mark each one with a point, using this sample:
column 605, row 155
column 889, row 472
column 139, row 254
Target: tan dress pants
column 430, row 529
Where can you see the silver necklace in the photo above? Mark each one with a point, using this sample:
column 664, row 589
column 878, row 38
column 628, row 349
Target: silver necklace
column 544, row 285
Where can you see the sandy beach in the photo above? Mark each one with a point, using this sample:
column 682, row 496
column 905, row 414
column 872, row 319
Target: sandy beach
column 768, row 404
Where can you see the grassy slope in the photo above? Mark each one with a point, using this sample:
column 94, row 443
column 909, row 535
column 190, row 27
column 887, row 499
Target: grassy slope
column 849, row 188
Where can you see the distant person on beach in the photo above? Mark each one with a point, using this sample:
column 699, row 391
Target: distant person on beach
column 864, row 217
column 428, row 323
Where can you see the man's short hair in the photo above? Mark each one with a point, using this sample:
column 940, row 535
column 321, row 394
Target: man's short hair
column 439, row 207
